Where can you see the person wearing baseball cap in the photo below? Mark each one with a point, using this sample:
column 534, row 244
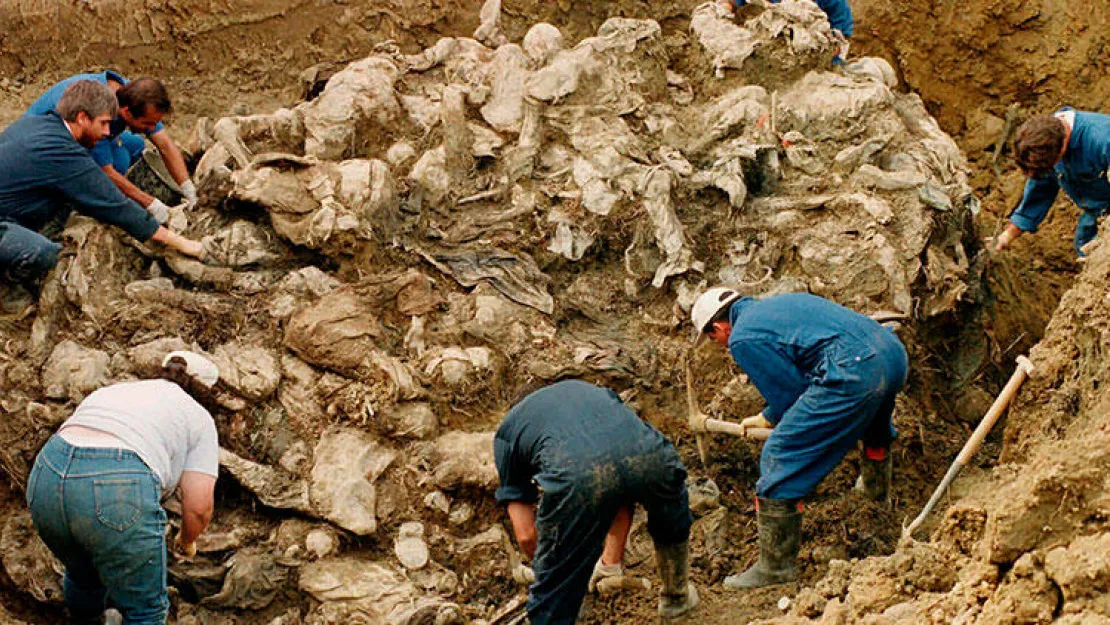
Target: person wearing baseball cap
column 96, row 488
column 829, row 377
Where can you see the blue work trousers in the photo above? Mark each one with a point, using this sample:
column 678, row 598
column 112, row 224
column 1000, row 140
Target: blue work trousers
column 127, row 149
column 99, row 512
column 1086, row 230
column 574, row 518
column 25, row 255
column 851, row 400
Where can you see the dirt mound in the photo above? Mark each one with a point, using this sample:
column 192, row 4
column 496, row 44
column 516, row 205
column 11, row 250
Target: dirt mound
column 393, row 258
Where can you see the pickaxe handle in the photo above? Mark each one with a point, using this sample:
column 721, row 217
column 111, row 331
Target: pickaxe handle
column 735, row 429
column 971, row 447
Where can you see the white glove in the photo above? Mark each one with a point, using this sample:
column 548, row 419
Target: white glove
column 603, row 571
column 756, row 422
column 523, row 575
column 189, row 192
column 159, row 211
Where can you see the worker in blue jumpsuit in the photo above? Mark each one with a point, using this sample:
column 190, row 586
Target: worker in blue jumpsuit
column 583, row 456
column 829, row 377
column 1069, row 149
column 840, row 19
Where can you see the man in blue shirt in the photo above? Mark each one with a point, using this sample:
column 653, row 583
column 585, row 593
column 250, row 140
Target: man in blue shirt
column 829, row 376
column 1070, row 149
column 142, row 105
column 591, row 457
column 45, row 168
column 840, row 19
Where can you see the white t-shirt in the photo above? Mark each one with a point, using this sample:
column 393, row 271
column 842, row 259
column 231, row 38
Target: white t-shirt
column 160, row 422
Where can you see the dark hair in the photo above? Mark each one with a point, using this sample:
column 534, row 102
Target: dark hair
column 88, row 97
column 722, row 315
column 176, row 371
column 1038, row 144
column 142, row 94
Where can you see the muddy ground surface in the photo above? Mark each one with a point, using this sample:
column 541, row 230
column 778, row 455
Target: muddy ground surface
column 221, row 62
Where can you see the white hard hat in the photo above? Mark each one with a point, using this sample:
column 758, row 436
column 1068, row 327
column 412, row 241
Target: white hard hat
column 707, row 306
column 197, row 366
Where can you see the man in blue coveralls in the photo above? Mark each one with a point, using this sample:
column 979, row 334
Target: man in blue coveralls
column 45, row 170
column 840, row 19
column 829, row 377
column 1070, row 149
column 584, row 455
column 142, row 105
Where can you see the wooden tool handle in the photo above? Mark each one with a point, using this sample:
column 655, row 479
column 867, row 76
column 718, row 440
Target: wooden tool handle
column 735, row 429
column 1025, row 367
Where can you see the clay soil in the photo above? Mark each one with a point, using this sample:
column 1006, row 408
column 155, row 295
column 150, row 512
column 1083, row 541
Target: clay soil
column 969, row 62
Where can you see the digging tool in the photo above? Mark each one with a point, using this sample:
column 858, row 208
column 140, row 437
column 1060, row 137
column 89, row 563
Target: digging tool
column 1023, row 371
column 701, row 424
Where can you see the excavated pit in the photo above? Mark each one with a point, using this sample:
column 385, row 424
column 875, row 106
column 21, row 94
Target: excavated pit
column 387, row 280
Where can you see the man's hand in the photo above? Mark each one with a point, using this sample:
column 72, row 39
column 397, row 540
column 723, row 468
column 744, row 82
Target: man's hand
column 189, row 192
column 173, row 240
column 756, row 422
column 184, row 550
column 159, row 211
column 1006, row 237
column 604, row 571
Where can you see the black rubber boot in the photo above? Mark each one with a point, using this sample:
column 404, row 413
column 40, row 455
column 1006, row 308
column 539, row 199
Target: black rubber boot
column 678, row 595
column 874, row 475
column 780, row 537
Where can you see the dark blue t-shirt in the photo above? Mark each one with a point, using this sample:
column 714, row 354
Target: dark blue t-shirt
column 42, row 167
column 48, row 101
column 559, row 432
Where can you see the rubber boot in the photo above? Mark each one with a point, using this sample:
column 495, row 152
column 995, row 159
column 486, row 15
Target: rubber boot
column 780, row 537
column 678, row 595
column 874, row 474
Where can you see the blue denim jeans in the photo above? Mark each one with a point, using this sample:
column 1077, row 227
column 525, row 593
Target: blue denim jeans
column 25, row 255
column 573, row 519
column 99, row 511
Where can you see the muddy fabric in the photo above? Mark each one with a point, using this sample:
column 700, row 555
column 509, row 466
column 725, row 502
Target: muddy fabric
column 590, row 455
column 829, row 376
column 517, row 277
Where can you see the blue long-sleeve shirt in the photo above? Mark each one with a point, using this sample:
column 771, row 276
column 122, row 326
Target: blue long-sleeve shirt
column 48, row 101
column 561, row 431
column 42, row 167
column 838, row 12
column 782, row 343
column 1082, row 173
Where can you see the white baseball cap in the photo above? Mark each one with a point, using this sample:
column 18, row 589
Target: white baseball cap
column 707, row 306
column 197, row 366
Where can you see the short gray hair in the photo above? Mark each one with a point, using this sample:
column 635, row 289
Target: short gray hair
column 87, row 96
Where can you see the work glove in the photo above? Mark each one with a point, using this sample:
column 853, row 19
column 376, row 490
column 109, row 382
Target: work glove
column 184, row 551
column 603, row 571
column 159, row 211
column 189, row 192
column 758, row 421
column 523, row 575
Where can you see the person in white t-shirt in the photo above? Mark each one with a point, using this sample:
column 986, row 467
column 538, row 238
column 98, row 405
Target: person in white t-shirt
column 96, row 489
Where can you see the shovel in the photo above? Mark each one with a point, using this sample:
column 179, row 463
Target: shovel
column 971, row 447
column 700, row 424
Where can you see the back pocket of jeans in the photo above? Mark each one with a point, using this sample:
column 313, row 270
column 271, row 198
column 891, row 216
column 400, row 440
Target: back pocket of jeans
column 117, row 502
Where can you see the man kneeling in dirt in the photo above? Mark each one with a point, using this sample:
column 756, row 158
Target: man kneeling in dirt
column 46, row 170
column 590, row 456
column 142, row 105
column 829, row 376
column 1070, row 149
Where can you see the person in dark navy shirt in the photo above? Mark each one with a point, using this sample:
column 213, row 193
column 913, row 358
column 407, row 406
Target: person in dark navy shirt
column 570, row 457
column 829, row 376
